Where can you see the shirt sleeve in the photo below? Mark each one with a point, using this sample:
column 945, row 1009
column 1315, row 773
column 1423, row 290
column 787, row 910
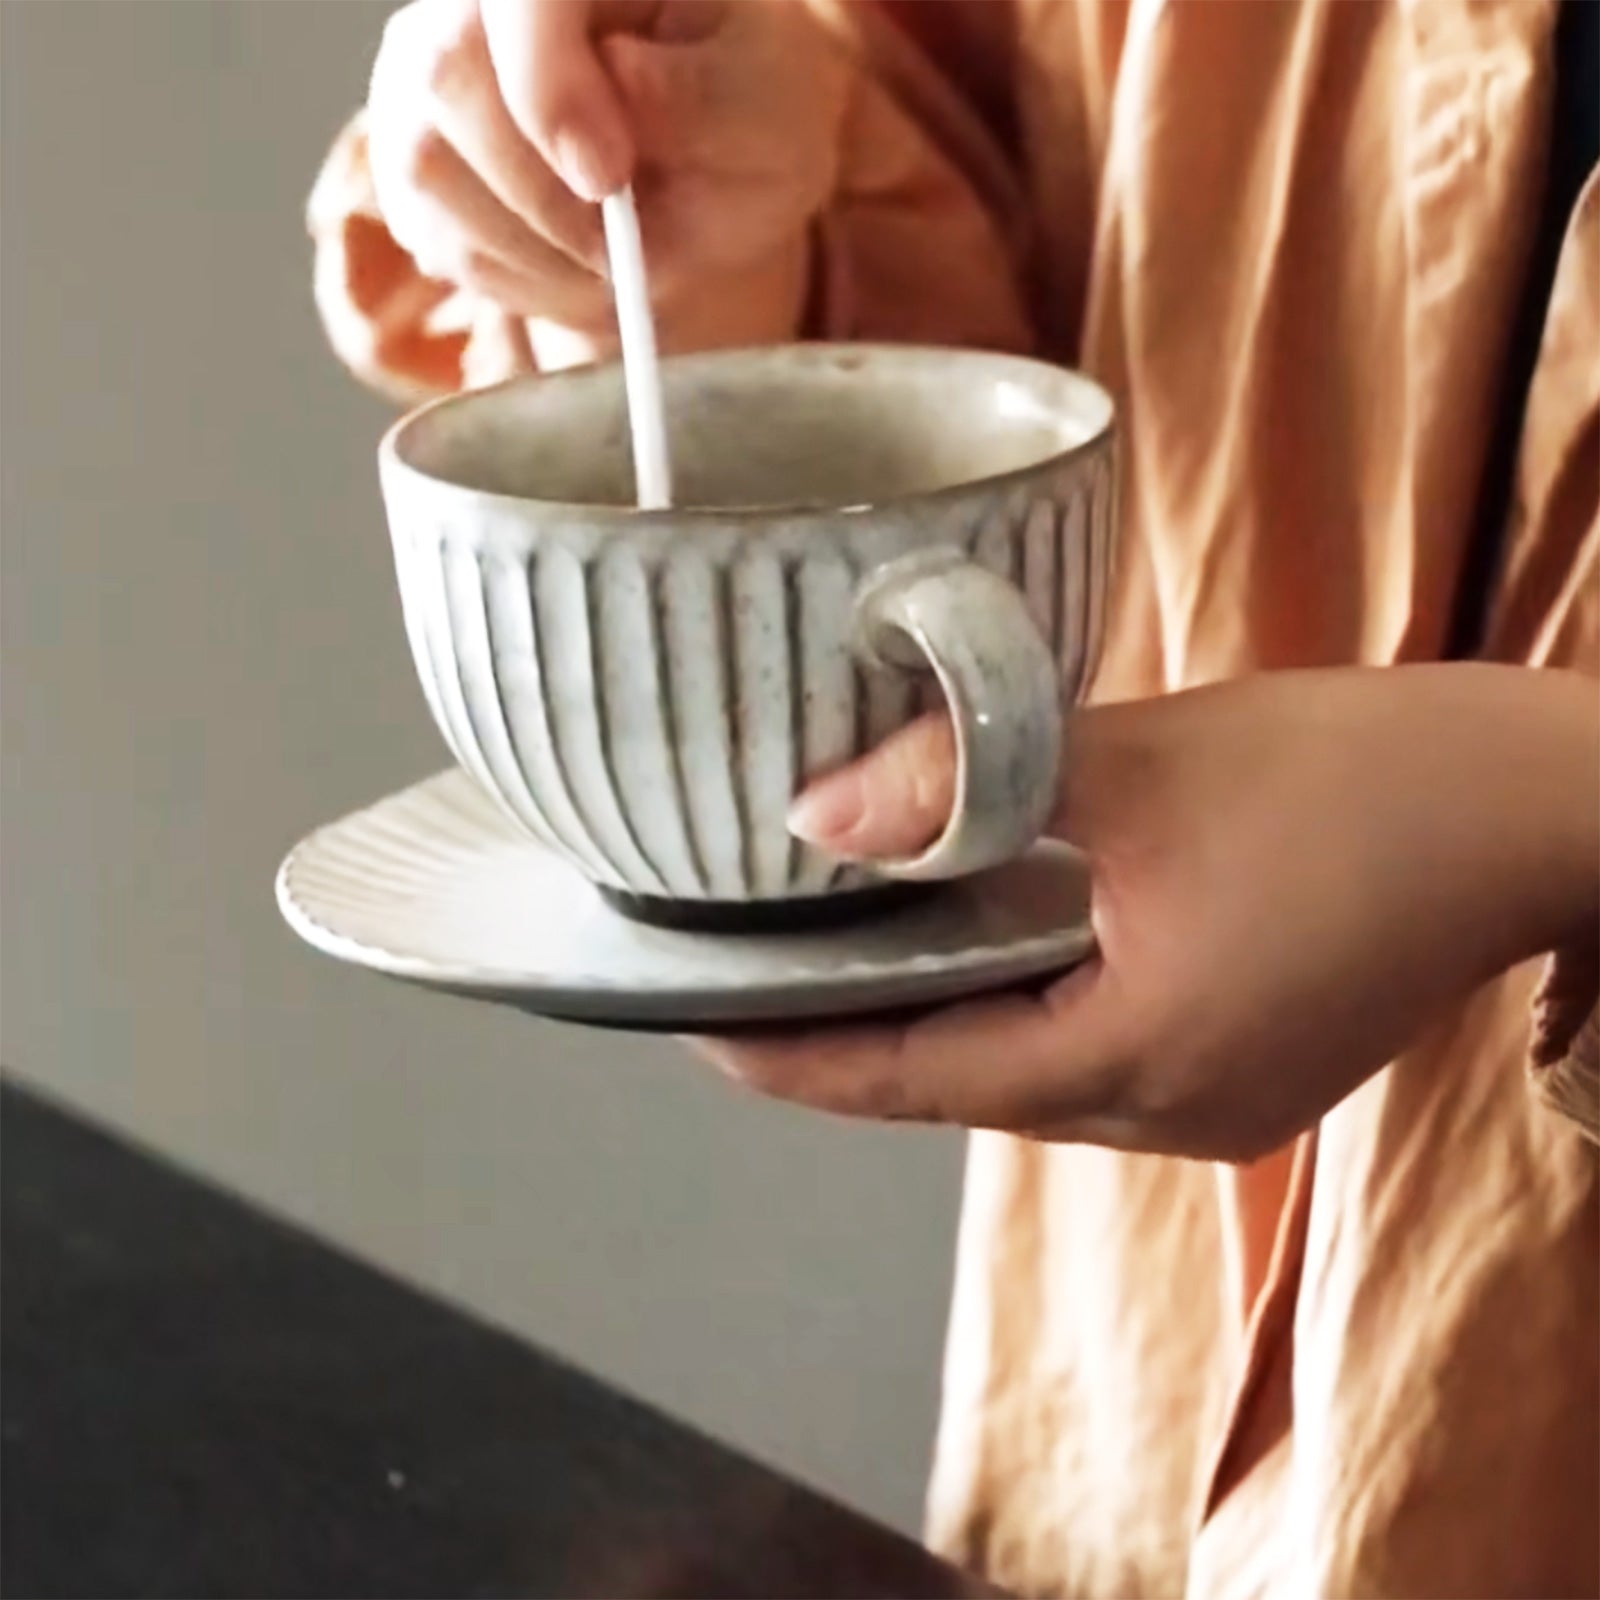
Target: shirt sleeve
column 922, row 239
column 407, row 335
column 1565, row 1058
column 1547, row 610
column 927, row 234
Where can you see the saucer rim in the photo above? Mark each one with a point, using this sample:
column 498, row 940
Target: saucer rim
column 848, row 988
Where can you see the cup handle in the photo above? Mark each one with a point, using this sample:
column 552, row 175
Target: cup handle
column 937, row 609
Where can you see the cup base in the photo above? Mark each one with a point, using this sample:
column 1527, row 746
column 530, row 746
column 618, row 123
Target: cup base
column 804, row 914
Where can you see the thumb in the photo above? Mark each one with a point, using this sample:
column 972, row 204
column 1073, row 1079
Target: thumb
column 894, row 801
column 557, row 91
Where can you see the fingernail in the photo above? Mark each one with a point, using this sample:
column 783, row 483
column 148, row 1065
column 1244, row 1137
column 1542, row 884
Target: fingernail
column 584, row 166
column 829, row 811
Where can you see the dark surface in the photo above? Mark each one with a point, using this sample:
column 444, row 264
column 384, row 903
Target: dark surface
column 197, row 1401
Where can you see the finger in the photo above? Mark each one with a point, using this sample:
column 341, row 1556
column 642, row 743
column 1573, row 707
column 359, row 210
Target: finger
column 896, row 800
column 469, row 111
column 893, row 802
column 524, row 295
column 1025, row 1063
column 446, row 217
column 557, row 92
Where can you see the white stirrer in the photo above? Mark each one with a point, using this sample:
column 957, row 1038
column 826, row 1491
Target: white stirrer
column 641, row 369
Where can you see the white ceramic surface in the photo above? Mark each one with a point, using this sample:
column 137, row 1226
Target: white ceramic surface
column 436, row 886
column 645, row 692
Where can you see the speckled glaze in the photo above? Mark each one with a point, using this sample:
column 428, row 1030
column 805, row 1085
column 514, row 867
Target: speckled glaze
column 865, row 530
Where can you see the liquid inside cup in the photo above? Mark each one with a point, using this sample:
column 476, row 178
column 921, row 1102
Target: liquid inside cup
column 803, row 430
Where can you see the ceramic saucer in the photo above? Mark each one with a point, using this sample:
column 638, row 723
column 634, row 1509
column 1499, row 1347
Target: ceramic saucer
column 434, row 885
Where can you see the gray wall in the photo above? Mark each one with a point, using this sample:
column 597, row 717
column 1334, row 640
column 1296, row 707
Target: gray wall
column 202, row 658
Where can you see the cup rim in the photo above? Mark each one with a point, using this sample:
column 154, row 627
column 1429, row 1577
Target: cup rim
column 603, row 514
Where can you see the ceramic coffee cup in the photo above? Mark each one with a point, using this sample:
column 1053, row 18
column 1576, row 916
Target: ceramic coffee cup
column 863, row 532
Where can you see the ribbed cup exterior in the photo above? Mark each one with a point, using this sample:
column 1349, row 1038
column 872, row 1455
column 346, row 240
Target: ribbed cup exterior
column 645, row 695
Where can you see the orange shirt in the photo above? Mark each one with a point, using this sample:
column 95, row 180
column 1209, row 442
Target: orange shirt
column 1291, row 238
